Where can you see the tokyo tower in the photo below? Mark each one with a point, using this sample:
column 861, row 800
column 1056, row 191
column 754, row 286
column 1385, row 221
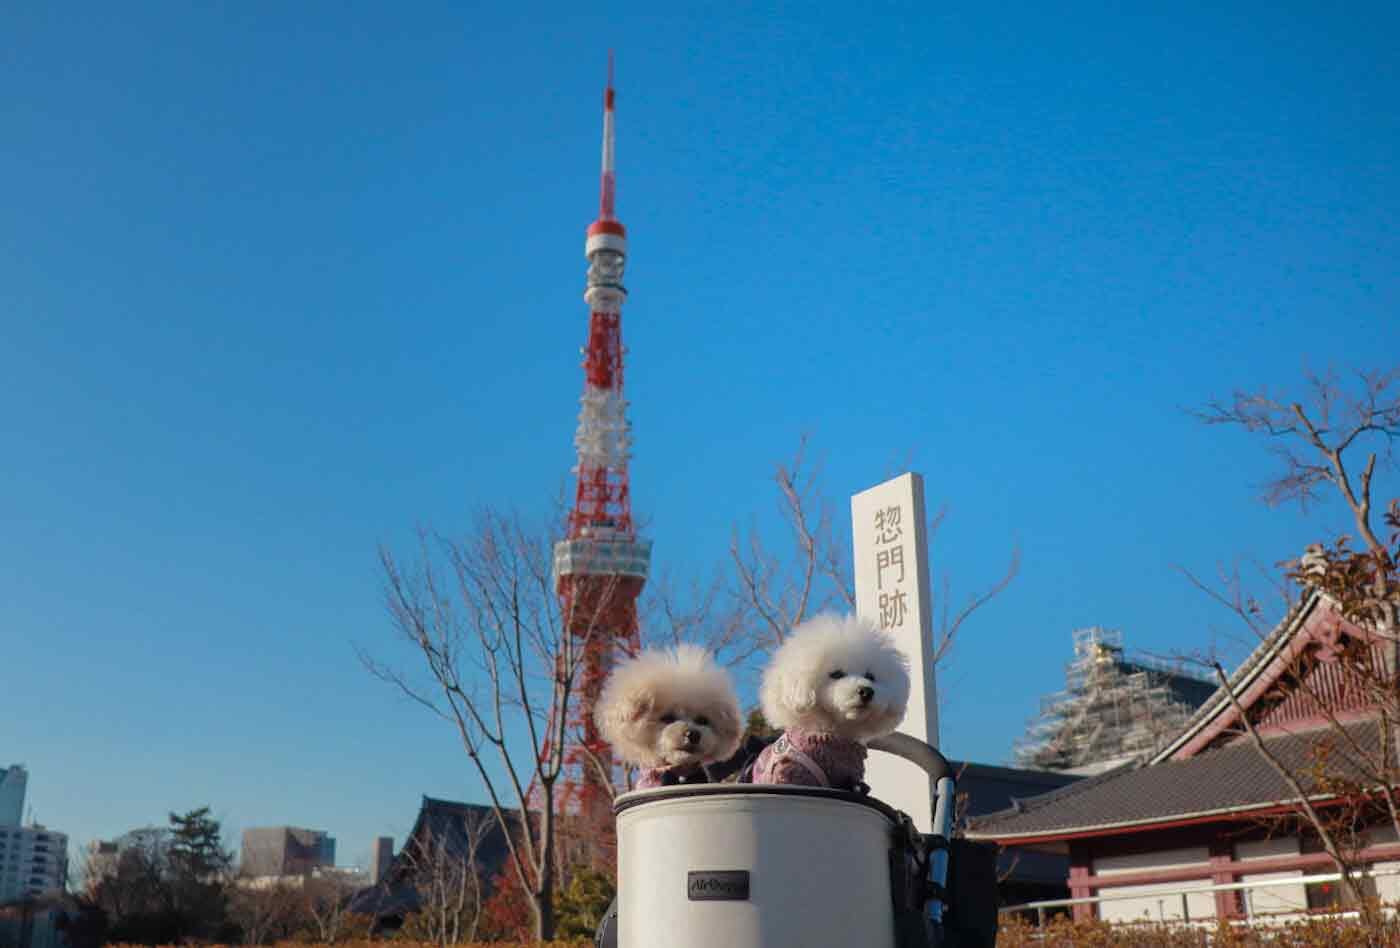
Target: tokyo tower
column 601, row 565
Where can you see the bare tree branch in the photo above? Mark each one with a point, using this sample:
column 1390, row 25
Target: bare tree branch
column 502, row 664
column 1314, row 438
column 949, row 630
column 778, row 590
column 783, row 590
column 1301, row 798
column 447, row 878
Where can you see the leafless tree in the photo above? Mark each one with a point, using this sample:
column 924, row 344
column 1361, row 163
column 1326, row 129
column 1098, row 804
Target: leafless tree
column 325, row 903
column 502, row 665
column 447, row 878
column 700, row 611
column 1343, row 766
column 126, row 883
column 812, row 571
column 1301, row 798
column 264, row 911
column 1317, row 439
column 783, row 589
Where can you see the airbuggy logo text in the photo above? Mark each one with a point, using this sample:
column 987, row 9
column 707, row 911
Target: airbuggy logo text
column 724, row 885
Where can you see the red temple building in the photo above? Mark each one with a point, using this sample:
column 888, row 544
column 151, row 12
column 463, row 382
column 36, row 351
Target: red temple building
column 1206, row 807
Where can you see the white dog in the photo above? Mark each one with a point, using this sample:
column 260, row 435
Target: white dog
column 834, row 684
column 670, row 713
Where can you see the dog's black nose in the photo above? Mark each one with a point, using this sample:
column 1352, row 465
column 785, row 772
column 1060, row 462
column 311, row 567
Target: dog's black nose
column 691, row 737
column 865, row 693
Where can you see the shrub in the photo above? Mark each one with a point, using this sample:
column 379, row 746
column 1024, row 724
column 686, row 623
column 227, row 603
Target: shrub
column 1326, row 932
column 581, row 906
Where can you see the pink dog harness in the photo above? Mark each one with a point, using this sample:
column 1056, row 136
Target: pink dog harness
column 813, row 759
column 669, row 777
column 648, row 779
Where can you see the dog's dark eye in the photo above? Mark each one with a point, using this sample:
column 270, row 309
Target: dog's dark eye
column 870, row 678
column 702, row 721
column 668, row 718
column 837, row 675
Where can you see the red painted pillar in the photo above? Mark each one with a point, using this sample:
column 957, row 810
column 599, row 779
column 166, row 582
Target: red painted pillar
column 1222, row 858
column 1080, row 868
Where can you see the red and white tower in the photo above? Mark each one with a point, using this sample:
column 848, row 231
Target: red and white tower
column 602, row 565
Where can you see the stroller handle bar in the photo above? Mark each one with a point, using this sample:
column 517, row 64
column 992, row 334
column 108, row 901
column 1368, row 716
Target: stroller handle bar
column 916, row 752
column 940, row 775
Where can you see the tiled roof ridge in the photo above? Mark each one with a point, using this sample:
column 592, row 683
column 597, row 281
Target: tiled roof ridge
column 1012, row 772
column 1233, row 778
column 440, row 802
column 1040, row 800
column 1213, row 705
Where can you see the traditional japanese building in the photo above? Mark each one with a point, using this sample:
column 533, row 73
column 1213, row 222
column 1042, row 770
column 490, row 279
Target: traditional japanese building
column 465, row 836
column 1023, row 875
column 1207, row 806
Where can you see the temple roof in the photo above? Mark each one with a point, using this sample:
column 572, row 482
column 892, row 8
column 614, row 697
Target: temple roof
column 445, row 821
column 1208, row 770
column 1214, row 785
column 1315, row 624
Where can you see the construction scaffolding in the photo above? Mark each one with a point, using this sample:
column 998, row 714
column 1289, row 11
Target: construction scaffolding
column 1112, row 710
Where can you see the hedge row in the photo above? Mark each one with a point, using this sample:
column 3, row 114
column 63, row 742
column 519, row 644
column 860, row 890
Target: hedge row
column 1309, row 933
column 392, row 943
column 1060, row 933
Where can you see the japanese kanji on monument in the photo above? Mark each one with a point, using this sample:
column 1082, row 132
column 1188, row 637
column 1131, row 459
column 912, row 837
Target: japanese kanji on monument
column 892, row 590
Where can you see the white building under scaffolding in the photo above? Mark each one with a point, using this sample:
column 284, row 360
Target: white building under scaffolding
column 1112, row 709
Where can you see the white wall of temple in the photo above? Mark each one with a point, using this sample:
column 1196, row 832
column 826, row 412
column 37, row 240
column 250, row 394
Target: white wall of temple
column 1162, row 901
column 1387, row 887
column 1155, row 901
column 1274, row 899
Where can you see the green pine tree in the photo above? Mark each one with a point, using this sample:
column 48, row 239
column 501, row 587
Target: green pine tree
column 198, row 867
column 582, row 904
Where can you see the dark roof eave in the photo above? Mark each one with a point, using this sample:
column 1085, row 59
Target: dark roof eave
column 1222, row 814
column 1051, row 797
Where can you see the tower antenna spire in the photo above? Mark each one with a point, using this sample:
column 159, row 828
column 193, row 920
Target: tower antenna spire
column 608, row 188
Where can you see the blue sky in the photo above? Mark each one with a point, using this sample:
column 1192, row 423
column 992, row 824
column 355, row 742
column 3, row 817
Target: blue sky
column 279, row 284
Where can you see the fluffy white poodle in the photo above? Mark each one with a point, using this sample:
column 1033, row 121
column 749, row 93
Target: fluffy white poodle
column 834, row 684
column 670, row 713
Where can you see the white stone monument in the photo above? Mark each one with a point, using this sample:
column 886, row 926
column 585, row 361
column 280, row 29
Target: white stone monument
column 889, row 535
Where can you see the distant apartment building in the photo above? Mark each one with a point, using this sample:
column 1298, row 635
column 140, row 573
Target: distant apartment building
column 12, row 783
column 33, row 859
column 285, row 851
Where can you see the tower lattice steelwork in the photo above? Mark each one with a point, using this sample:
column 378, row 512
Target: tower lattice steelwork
column 602, row 565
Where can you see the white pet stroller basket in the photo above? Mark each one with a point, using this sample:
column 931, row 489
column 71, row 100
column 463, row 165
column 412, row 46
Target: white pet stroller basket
column 759, row 866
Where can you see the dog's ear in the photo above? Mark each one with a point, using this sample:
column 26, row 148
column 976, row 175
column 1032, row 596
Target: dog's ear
column 619, row 708
column 639, row 706
column 798, row 694
column 729, row 729
column 727, row 722
column 784, row 696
